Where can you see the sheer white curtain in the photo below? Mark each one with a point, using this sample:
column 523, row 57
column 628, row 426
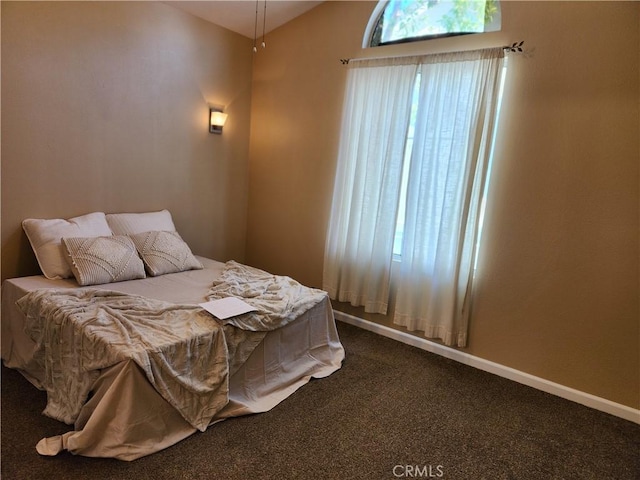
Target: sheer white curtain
column 359, row 246
column 453, row 134
column 451, row 148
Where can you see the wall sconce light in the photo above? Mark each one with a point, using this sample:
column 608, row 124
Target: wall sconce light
column 217, row 120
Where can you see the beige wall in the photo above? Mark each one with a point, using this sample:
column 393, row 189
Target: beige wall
column 558, row 288
column 104, row 108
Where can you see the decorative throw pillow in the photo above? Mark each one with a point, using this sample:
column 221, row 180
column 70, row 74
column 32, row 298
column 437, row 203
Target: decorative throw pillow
column 165, row 252
column 132, row 223
column 97, row 260
column 45, row 239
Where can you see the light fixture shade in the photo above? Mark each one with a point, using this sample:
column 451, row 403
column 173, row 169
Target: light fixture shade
column 217, row 121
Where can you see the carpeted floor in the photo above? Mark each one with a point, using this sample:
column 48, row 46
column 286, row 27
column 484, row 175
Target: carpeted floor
column 392, row 411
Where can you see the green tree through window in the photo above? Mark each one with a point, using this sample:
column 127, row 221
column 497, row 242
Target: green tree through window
column 413, row 20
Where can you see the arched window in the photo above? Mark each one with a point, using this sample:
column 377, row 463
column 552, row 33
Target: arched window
column 399, row 21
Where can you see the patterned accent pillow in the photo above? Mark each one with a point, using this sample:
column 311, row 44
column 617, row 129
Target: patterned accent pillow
column 165, row 252
column 98, row 260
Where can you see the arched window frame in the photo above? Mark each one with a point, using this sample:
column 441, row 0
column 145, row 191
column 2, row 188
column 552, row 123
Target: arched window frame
column 378, row 12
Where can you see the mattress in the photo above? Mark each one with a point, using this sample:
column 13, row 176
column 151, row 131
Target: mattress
column 125, row 417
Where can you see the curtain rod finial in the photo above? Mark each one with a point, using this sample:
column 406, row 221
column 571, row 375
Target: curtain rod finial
column 516, row 47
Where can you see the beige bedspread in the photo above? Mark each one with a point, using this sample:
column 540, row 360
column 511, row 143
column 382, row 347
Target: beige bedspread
column 125, row 416
column 182, row 350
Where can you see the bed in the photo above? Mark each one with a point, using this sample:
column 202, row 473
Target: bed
column 180, row 370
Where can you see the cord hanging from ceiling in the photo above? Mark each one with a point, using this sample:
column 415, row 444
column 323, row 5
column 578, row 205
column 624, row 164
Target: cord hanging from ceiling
column 264, row 27
column 255, row 30
column 264, row 23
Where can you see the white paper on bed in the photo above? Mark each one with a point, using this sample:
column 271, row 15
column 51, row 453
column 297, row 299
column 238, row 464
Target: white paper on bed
column 284, row 361
column 227, row 307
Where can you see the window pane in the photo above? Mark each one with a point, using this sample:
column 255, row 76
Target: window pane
column 397, row 241
column 406, row 20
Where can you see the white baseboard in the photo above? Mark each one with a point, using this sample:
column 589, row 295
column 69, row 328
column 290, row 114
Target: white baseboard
column 538, row 383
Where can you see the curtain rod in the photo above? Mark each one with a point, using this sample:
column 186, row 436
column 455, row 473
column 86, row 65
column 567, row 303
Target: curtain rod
column 514, row 48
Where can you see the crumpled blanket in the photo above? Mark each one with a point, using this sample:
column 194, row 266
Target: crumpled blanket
column 181, row 349
column 185, row 353
column 278, row 299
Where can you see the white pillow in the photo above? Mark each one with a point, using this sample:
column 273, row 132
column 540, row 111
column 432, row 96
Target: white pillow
column 45, row 239
column 98, row 260
column 165, row 252
column 132, row 223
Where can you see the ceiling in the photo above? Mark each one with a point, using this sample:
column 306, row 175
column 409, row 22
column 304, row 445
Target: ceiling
column 240, row 15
